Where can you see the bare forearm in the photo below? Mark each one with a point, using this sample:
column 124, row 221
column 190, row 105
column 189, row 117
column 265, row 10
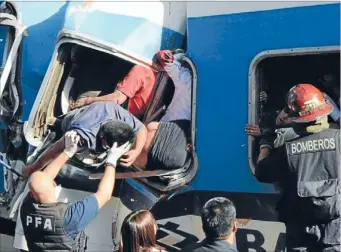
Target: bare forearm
column 265, row 152
column 106, row 186
column 56, row 165
column 48, row 155
column 269, row 167
column 116, row 96
column 141, row 138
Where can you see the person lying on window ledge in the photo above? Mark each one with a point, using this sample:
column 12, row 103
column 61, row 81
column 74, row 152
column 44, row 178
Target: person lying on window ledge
column 99, row 125
column 158, row 145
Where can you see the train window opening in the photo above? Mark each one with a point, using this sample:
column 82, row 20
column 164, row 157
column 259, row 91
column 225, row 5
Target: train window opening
column 275, row 72
column 77, row 70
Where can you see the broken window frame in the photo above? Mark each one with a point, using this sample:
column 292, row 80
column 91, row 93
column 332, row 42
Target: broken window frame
column 39, row 116
column 11, row 63
column 254, row 86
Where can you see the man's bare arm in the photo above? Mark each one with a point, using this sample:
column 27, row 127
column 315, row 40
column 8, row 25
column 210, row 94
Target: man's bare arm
column 130, row 156
column 116, row 96
column 141, row 138
column 264, row 153
column 106, row 186
column 56, row 165
column 71, row 141
column 48, row 155
column 271, row 164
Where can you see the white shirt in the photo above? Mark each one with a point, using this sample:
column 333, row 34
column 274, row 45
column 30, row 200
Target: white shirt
column 180, row 107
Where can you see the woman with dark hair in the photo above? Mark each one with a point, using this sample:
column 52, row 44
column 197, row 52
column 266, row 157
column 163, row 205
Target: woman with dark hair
column 139, row 233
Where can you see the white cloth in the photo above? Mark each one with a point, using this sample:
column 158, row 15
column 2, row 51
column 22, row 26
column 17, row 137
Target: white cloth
column 284, row 135
column 180, row 107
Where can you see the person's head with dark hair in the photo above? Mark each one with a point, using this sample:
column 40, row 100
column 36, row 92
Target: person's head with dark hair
column 139, row 233
column 218, row 217
column 112, row 131
column 283, row 120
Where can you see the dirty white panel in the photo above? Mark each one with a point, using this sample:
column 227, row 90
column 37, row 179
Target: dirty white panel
column 171, row 15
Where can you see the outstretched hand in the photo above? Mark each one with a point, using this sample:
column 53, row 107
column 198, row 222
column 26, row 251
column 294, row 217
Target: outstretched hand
column 80, row 103
column 129, row 158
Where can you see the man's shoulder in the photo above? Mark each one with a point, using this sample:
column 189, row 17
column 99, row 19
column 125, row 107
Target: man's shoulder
column 193, row 247
column 84, row 202
column 141, row 69
column 102, row 106
column 79, row 214
column 77, row 208
column 210, row 246
column 334, row 127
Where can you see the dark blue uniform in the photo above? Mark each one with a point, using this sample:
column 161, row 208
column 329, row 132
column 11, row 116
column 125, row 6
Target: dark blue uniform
column 307, row 171
column 57, row 226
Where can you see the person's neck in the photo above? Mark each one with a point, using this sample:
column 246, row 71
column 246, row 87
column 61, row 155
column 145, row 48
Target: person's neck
column 230, row 239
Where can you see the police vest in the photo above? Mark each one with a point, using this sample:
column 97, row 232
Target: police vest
column 313, row 189
column 43, row 227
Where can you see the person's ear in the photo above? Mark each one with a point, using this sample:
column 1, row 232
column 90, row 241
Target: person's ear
column 105, row 143
column 35, row 196
column 234, row 228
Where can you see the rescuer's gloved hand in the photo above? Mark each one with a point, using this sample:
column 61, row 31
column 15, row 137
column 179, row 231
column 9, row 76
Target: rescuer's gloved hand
column 71, row 143
column 267, row 127
column 116, row 152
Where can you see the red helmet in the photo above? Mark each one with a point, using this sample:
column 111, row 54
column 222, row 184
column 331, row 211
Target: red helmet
column 306, row 103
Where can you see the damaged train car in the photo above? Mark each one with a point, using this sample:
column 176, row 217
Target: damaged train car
column 234, row 51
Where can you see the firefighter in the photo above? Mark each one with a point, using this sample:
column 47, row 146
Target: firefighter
column 307, row 171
